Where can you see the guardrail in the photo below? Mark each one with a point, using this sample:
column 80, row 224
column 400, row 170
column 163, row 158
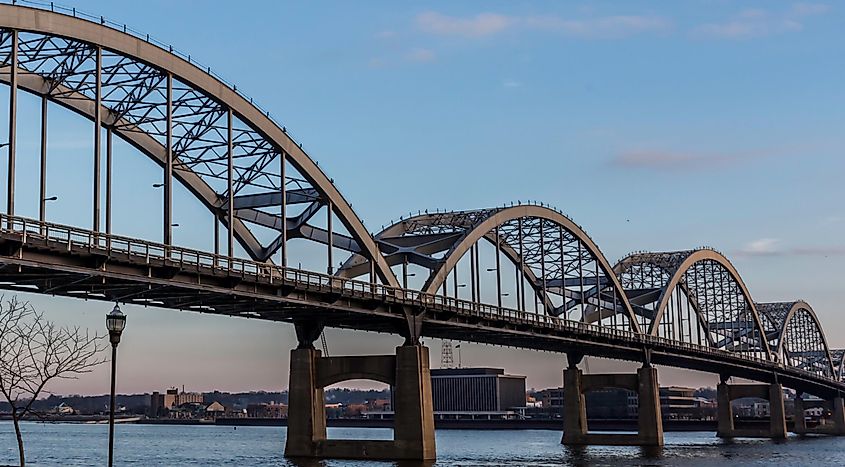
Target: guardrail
column 110, row 245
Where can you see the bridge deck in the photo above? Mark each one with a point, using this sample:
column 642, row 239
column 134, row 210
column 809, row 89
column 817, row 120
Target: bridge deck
column 61, row 260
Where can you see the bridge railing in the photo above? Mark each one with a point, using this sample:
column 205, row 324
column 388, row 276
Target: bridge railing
column 157, row 254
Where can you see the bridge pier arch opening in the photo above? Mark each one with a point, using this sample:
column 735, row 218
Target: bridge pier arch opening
column 726, row 393
column 408, row 372
column 649, row 419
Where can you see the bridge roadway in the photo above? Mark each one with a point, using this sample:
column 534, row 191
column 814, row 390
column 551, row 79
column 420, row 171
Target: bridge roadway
column 55, row 259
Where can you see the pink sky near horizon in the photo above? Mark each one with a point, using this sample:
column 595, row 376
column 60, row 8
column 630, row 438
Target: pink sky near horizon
column 166, row 348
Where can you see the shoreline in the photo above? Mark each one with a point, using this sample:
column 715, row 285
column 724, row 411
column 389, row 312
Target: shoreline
column 536, row 424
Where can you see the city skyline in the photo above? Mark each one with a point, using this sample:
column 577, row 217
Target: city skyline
column 491, row 106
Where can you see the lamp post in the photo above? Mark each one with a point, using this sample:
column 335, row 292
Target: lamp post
column 115, row 322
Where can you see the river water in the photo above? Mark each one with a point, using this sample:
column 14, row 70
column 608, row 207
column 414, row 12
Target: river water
column 142, row 445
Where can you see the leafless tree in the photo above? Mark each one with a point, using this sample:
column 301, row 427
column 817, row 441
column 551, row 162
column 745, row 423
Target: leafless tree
column 35, row 351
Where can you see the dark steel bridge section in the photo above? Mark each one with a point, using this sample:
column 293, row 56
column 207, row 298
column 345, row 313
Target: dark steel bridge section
column 688, row 309
column 59, row 260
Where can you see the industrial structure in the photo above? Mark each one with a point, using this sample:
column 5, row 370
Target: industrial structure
column 535, row 279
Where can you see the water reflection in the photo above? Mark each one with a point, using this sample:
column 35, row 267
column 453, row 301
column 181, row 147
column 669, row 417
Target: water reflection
column 82, row 445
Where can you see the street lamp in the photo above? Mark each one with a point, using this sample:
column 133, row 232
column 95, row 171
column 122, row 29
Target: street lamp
column 115, row 322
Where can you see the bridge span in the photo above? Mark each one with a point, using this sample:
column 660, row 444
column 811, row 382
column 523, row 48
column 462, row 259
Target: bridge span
column 523, row 276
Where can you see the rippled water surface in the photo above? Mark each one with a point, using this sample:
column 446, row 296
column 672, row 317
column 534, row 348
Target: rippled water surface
column 72, row 444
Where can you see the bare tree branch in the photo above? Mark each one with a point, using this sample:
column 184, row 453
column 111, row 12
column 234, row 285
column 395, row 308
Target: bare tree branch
column 35, row 351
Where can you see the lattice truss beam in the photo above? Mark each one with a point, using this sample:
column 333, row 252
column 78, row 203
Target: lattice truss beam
column 134, row 99
column 838, row 358
column 693, row 296
column 796, row 336
column 562, row 268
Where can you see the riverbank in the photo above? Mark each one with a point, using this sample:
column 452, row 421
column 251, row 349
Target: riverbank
column 556, row 425
column 529, row 424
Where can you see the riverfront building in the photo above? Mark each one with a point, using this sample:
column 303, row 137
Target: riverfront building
column 171, row 399
column 476, row 390
column 471, row 394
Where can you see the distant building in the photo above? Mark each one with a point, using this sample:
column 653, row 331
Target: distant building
column 215, row 410
column 187, row 410
column 171, row 399
column 551, row 400
column 675, row 402
column 601, row 403
column 464, row 394
column 611, row 403
column 678, row 402
column 476, row 390
column 63, row 409
column 156, row 404
column 271, row 410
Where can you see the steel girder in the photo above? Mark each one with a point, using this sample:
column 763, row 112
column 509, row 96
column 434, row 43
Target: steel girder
column 798, row 338
column 838, row 358
column 710, row 285
column 555, row 256
column 161, row 104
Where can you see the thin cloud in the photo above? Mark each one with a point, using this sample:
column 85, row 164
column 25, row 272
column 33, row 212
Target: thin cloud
column 809, row 9
column 489, row 24
column 772, row 247
column 509, row 83
column 376, row 62
column 762, row 247
column 607, row 27
column 755, row 23
column 421, row 55
column 481, row 25
column 831, row 220
column 674, row 161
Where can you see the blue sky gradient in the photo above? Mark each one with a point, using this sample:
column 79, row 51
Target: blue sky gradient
column 656, row 126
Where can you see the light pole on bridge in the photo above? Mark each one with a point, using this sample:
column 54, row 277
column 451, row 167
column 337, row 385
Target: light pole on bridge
column 115, row 323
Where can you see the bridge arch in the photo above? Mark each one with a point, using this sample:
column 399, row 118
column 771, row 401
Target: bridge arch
column 713, row 289
column 799, row 339
column 60, row 57
column 557, row 255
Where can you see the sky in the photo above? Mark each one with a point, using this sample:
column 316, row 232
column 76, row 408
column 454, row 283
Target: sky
column 655, row 125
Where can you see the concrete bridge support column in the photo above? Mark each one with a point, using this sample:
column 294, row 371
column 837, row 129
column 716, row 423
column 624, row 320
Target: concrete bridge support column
column 574, row 408
column 771, row 392
column 777, row 412
column 799, row 424
column 644, row 383
column 408, row 372
column 650, row 419
column 414, row 409
column 838, row 416
column 306, row 405
column 725, row 413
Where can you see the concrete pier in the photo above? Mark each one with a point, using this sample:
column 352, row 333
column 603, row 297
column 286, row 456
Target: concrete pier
column 306, row 407
column 649, row 422
column 777, row 415
column 834, row 426
column 408, row 372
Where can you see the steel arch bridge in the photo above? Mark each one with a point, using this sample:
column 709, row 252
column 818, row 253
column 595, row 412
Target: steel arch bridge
column 555, row 292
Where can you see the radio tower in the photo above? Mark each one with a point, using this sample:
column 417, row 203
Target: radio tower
column 446, row 359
